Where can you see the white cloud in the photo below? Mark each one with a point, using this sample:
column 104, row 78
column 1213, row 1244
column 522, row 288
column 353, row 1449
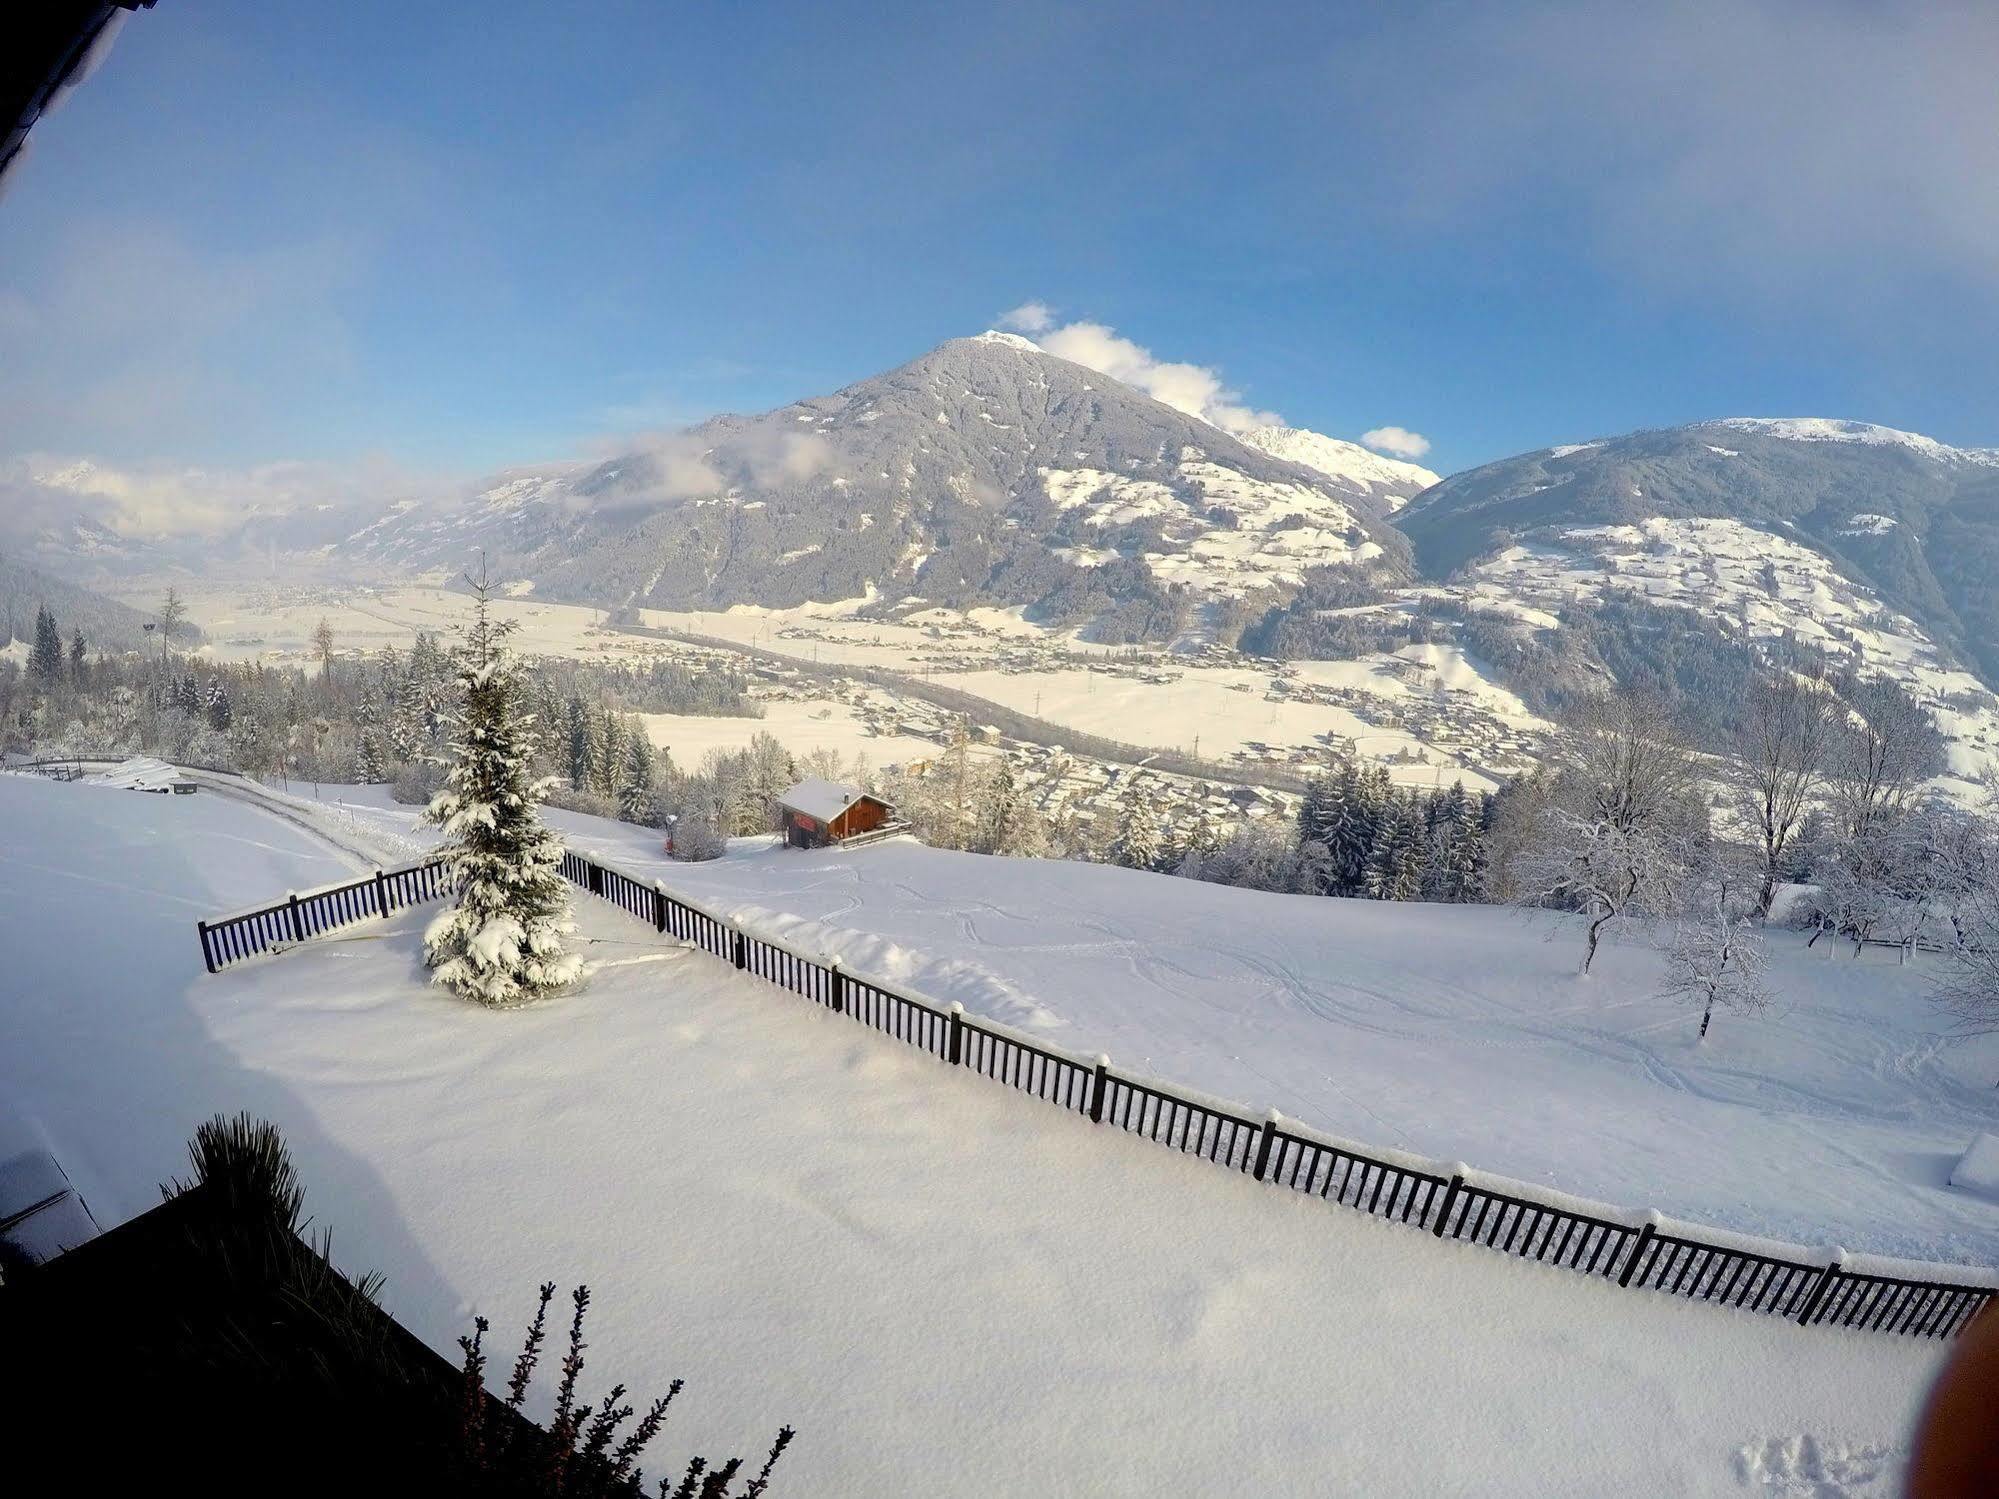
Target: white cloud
column 1193, row 388
column 1398, row 441
column 1029, row 317
column 157, row 502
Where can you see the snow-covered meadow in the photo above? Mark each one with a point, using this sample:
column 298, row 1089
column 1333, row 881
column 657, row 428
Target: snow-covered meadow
column 1456, row 1032
column 947, row 1287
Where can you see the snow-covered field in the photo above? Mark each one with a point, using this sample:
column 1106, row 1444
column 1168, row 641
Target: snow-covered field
column 1457, row 1032
column 947, row 1287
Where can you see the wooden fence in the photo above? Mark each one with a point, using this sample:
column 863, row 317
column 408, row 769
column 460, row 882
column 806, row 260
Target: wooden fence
column 312, row 913
column 1640, row 1250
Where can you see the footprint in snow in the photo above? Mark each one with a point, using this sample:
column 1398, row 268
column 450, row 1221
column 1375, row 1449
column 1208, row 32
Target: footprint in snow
column 1802, row 1467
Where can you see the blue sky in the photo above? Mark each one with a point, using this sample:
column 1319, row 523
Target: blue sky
column 441, row 238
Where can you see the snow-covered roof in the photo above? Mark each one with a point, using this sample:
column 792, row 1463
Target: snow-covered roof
column 820, row 799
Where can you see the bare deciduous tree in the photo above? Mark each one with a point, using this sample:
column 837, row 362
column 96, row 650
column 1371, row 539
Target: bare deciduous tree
column 1714, row 957
column 1968, row 986
column 1617, row 838
column 1886, row 748
column 1782, row 747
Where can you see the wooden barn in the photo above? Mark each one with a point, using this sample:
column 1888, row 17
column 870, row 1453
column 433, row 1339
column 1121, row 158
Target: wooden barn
column 819, row 814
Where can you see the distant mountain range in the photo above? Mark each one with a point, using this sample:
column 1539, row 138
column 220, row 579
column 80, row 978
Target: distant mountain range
column 990, row 472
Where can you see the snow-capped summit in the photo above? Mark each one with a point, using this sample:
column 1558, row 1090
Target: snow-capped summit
column 1011, row 340
column 1388, row 480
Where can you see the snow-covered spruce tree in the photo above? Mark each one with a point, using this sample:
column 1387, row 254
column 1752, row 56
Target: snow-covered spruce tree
column 1140, row 841
column 636, row 800
column 368, row 767
column 501, row 941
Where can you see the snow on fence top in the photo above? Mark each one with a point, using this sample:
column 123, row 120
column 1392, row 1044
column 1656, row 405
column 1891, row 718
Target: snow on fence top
column 1637, row 1246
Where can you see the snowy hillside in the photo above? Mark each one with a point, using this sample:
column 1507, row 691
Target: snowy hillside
column 1388, row 480
column 1758, row 584
column 795, row 1216
column 1838, row 1112
column 1906, row 518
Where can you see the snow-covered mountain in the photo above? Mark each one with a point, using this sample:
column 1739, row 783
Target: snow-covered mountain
column 1877, row 546
column 987, row 471
column 1897, row 515
column 1389, row 481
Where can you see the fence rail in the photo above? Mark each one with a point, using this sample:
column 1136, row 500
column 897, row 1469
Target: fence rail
column 313, row 913
column 1634, row 1250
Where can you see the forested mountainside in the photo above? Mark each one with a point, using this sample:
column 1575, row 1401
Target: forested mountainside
column 105, row 623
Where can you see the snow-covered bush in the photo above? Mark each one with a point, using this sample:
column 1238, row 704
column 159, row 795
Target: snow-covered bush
column 696, row 840
column 501, row 941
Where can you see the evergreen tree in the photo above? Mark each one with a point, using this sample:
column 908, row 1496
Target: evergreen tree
column 1008, row 824
column 501, row 940
column 635, row 794
column 582, row 756
column 219, row 710
column 610, row 762
column 45, row 655
column 1138, row 843
column 406, row 732
column 78, row 657
column 368, row 768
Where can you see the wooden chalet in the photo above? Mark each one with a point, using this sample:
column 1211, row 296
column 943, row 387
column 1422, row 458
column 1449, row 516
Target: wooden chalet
column 820, row 814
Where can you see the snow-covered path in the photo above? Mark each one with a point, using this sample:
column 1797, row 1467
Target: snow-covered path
column 948, row 1287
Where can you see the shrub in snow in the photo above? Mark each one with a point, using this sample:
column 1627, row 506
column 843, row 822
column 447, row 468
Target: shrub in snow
column 416, row 785
column 501, row 940
column 697, row 840
column 501, row 1452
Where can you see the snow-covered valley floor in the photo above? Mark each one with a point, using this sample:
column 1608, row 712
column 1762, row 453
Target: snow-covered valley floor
column 947, row 1287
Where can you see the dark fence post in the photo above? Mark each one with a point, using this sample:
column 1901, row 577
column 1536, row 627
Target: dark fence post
column 1450, row 1198
column 658, row 906
column 957, row 1034
column 1645, row 1237
column 381, row 894
column 291, row 907
column 207, row 953
column 1263, row 1145
column 742, row 951
column 836, row 985
column 1099, row 1086
column 1817, row 1298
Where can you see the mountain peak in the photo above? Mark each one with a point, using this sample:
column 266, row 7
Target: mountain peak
column 1388, row 480
column 1010, row 340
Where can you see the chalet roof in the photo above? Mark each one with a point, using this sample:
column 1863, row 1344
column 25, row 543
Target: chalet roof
column 822, row 800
